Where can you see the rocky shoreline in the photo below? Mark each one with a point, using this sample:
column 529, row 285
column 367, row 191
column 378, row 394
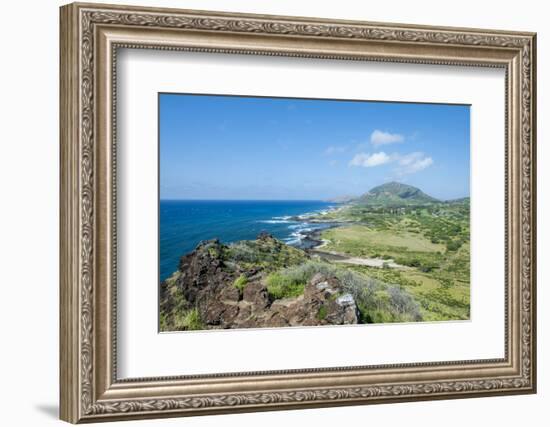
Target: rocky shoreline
column 312, row 239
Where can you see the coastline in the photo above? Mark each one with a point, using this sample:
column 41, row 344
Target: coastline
column 310, row 240
column 183, row 224
column 312, row 243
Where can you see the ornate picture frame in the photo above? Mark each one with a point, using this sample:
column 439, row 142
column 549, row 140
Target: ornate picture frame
column 90, row 37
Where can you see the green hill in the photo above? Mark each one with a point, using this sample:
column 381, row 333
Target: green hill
column 460, row 201
column 395, row 194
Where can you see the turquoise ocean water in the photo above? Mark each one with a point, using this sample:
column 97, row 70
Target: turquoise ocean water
column 184, row 223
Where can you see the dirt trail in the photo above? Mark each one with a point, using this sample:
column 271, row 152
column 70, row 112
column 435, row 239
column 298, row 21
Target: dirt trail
column 369, row 262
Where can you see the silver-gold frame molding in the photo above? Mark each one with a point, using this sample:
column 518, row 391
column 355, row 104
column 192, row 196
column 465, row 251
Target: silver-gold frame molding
column 90, row 37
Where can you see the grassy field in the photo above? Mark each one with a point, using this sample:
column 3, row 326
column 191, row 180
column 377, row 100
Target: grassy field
column 432, row 244
column 363, row 240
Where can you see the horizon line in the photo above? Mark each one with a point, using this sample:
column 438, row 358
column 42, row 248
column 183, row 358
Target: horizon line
column 328, row 200
column 243, row 200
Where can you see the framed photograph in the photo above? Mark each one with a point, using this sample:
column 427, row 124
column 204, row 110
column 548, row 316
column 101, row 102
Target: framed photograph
column 266, row 212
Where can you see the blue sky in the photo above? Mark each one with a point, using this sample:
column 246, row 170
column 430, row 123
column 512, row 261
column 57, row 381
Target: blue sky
column 248, row 148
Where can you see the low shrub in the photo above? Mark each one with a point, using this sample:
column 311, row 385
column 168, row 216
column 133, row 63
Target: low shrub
column 453, row 246
column 188, row 321
column 240, row 282
column 322, row 313
column 241, row 252
column 377, row 301
column 283, row 286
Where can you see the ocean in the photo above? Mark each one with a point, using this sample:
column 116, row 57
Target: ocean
column 184, row 223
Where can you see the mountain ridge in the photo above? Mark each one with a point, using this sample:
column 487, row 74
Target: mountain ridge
column 395, row 194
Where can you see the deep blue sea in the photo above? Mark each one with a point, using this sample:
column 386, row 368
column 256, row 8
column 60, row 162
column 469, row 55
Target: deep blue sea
column 184, row 223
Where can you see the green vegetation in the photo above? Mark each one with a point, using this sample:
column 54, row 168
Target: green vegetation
column 431, row 243
column 240, row 282
column 361, row 240
column 322, row 313
column 376, row 300
column 395, row 194
column 188, row 321
column 439, row 297
column 268, row 254
column 175, row 314
column 283, row 286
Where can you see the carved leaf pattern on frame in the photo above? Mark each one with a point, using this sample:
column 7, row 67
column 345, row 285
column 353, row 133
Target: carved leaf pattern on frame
column 89, row 18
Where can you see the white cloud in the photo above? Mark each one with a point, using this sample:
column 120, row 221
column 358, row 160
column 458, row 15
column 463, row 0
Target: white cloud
column 405, row 164
column 370, row 160
column 413, row 162
column 379, row 137
column 335, row 149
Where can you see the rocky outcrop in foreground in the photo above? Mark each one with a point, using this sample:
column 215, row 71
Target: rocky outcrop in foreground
column 221, row 286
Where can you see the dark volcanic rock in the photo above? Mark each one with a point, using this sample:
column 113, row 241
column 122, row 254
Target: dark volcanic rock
column 255, row 293
column 323, row 303
column 208, row 284
column 264, row 235
column 201, row 270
